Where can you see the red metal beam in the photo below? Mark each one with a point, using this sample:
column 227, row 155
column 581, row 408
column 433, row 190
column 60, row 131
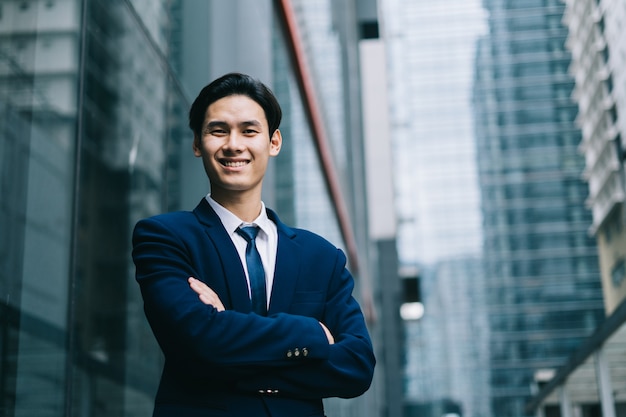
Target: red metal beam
column 320, row 137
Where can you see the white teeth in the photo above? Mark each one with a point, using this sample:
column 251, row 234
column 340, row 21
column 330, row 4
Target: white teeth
column 235, row 164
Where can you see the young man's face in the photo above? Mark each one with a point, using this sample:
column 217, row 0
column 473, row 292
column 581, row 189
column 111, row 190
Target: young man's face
column 235, row 146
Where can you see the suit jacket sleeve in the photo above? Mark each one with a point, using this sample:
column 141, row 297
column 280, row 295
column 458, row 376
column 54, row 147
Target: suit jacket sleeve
column 247, row 350
column 348, row 369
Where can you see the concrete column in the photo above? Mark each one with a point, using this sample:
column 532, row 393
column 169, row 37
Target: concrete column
column 565, row 402
column 605, row 388
column 540, row 412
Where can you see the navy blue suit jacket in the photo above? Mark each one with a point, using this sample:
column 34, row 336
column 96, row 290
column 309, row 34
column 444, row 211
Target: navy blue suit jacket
column 234, row 362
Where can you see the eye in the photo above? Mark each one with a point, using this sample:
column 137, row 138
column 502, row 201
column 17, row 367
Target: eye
column 217, row 132
column 250, row 132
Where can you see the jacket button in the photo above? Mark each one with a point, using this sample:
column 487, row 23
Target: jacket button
column 305, row 352
column 296, row 352
column 289, row 354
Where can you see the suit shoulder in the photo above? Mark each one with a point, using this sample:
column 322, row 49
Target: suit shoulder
column 318, row 250
column 178, row 218
column 313, row 239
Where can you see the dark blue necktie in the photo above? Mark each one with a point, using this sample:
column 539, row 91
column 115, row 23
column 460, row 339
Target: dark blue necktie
column 256, row 273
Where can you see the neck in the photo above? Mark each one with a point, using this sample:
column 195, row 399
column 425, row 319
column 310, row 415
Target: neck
column 247, row 208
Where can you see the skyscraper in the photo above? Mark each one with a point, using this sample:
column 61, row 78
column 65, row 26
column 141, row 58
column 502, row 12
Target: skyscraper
column 597, row 44
column 541, row 266
column 431, row 46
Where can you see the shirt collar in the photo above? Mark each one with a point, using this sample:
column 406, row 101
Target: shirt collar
column 232, row 222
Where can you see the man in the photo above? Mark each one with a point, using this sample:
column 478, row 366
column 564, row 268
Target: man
column 243, row 336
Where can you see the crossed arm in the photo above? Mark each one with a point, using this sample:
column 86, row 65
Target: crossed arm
column 198, row 335
column 209, row 297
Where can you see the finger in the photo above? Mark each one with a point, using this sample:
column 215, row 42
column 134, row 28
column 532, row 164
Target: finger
column 194, row 281
column 206, row 299
column 196, row 285
column 213, row 301
column 206, row 294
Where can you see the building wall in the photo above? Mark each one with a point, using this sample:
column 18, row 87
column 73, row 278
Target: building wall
column 542, row 276
column 87, row 92
column 597, row 45
column 612, row 254
column 94, row 97
column 430, row 47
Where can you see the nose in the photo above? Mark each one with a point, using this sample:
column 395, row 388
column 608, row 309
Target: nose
column 234, row 141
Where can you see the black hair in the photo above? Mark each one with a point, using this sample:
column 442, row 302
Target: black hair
column 235, row 84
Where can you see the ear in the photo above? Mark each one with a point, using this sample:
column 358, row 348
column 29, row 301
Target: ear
column 197, row 143
column 276, row 141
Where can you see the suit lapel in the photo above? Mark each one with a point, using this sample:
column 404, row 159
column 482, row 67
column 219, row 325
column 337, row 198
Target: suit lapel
column 233, row 279
column 287, row 267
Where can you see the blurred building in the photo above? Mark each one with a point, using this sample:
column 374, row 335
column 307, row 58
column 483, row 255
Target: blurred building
column 598, row 46
column 431, row 46
column 94, row 97
column 439, row 230
column 449, row 352
column 541, row 265
column 593, row 379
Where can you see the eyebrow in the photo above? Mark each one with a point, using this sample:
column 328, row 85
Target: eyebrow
column 215, row 123
column 219, row 123
column 251, row 123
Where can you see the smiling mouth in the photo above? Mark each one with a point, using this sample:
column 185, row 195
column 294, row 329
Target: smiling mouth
column 234, row 164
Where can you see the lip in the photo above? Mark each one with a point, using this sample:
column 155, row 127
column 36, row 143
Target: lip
column 234, row 163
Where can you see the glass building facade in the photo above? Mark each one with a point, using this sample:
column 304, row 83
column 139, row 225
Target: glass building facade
column 492, row 214
column 94, row 97
column 430, row 81
column 542, row 277
column 591, row 381
column 431, row 46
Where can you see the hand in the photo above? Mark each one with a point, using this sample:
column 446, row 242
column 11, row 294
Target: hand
column 329, row 336
column 206, row 294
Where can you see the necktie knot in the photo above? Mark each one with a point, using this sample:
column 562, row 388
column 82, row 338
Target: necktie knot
column 248, row 232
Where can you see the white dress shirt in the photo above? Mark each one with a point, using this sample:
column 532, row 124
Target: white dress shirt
column 266, row 240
